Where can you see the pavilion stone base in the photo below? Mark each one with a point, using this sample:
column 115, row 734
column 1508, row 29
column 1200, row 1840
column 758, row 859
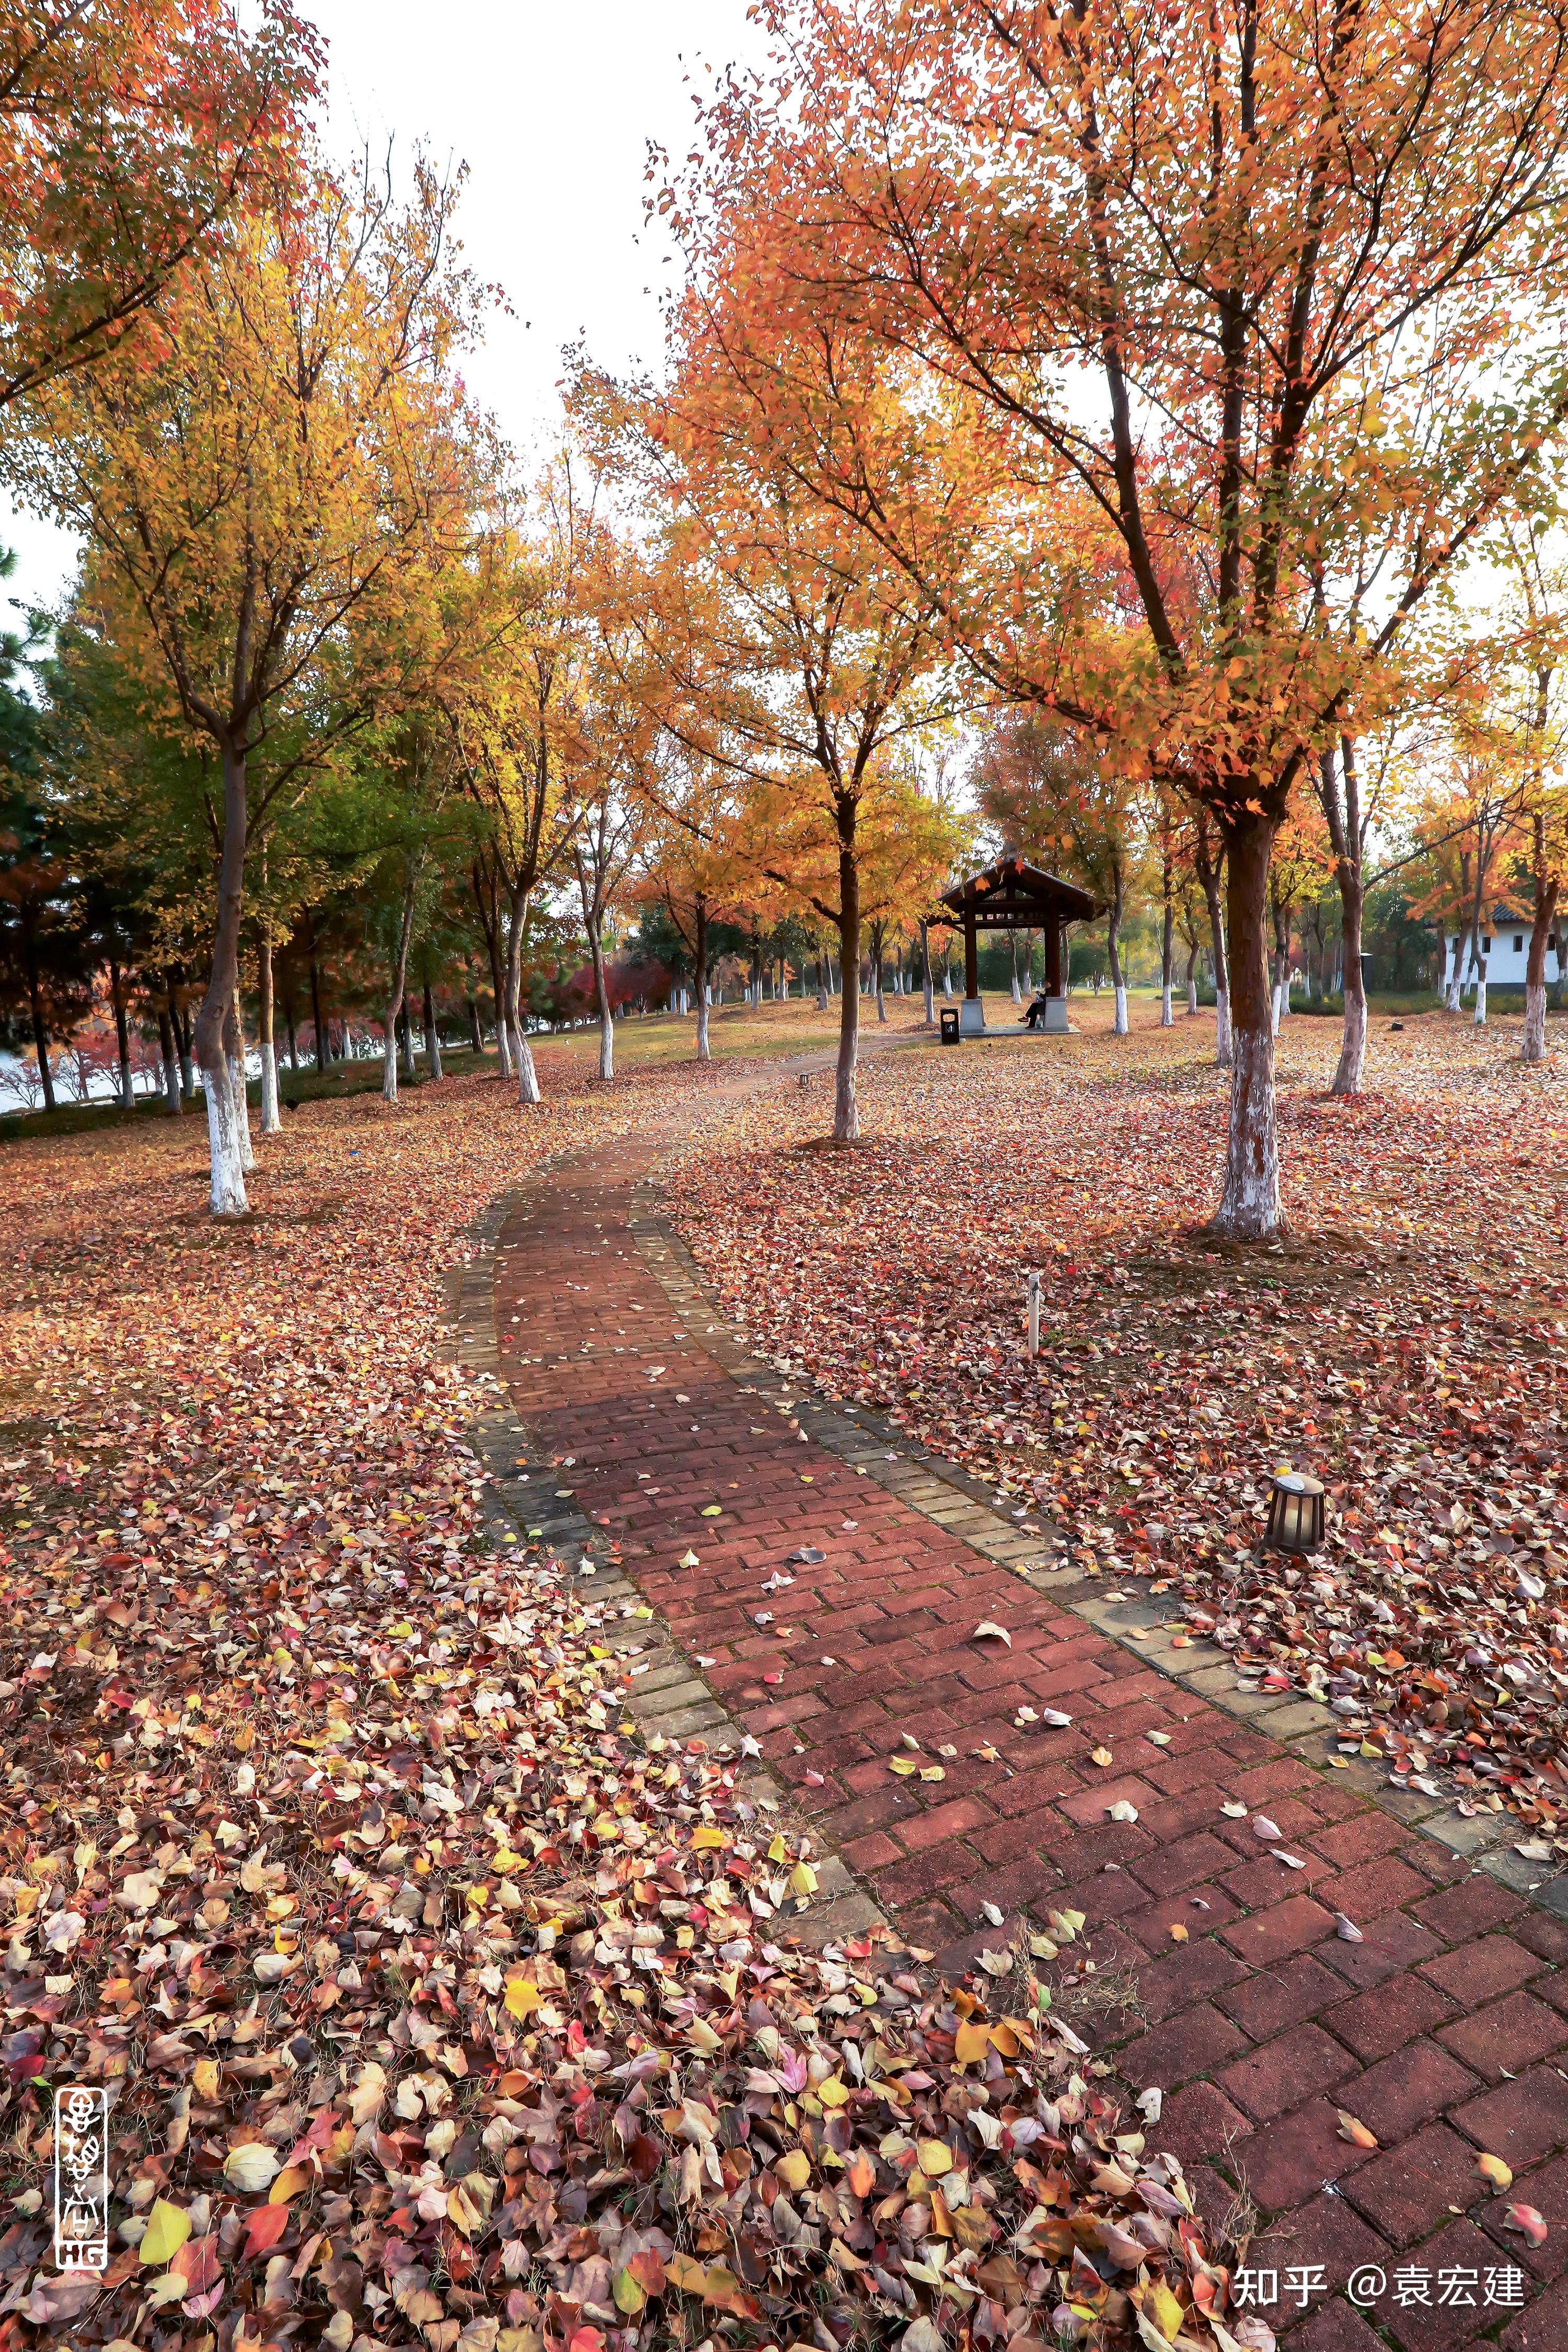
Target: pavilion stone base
column 972, row 1017
column 1056, row 1015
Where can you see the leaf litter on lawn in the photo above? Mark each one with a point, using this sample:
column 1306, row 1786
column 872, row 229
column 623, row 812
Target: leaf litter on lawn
column 439, row 2006
column 1404, row 1341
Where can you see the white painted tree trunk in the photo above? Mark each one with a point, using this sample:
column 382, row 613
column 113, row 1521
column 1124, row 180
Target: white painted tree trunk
column 930, row 994
column 1534, row 1046
column 527, row 1075
column 389, row 1066
column 1352, row 1047
column 434, row 1048
column 1018, row 992
column 347, row 1042
column 704, row 1051
column 606, row 1047
column 1223, row 1048
column 1249, row 1206
column 1167, row 1018
column 228, row 1198
column 241, row 1110
column 1481, row 1016
column 172, row 1084
column 1119, row 1024
column 1192, row 997
column 504, row 1048
column 1274, row 1008
column 271, row 1116
column 947, row 983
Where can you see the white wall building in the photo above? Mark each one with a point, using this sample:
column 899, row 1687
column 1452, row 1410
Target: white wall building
column 1505, row 944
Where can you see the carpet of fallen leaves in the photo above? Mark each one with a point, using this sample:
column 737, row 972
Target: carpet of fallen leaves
column 438, row 2007
column 1404, row 1341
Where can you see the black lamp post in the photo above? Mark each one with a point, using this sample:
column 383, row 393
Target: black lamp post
column 1295, row 1513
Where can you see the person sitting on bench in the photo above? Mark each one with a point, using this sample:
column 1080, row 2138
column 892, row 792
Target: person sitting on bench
column 1034, row 1017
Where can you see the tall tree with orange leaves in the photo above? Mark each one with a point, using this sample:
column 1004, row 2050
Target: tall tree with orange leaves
column 1183, row 295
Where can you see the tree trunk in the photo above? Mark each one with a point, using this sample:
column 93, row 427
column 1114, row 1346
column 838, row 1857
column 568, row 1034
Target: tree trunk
column 271, row 1116
column 1013, row 943
column 476, row 1035
column 316, row 1012
column 700, row 979
column 399, row 979
column 1546, row 889
column 927, row 990
column 1191, row 978
column 224, row 1137
column 1249, row 1203
column 239, row 1079
column 1167, row 956
column 40, row 1033
column 1208, row 876
column 876, row 971
column 521, row 1051
column 1114, row 943
column 432, row 1035
column 1352, row 1037
column 121, row 1037
column 291, row 1032
column 171, row 1062
column 602, row 999
column 185, row 1035
column 845, row 1109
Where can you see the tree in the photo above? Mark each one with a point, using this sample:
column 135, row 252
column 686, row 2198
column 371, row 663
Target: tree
column 782, row 652
column 128, row 132
column 257, row 501
column 1185, row 296
column 511, row 720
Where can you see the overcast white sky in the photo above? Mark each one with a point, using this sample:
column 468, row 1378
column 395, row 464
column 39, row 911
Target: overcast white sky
column 551, row 107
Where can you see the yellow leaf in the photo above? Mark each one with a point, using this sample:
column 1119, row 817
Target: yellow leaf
column 1178, row 1935
column 522, row 1996
column 503, row 1859
column 971, row 2043
column 705, row 1836
column 629, row 2296
column 793, row 2169
column 682, row 2271
column 834, row 2093
column 1164, row 2309
column 288, row 2183
column 713, row 1510
column 1495, row 2170
column 935, row 2158
column 167, row 2229
column 932, row 1772
column 802, row 1878
column 205, row 2077
column 778, row 1850
column 902, row 1764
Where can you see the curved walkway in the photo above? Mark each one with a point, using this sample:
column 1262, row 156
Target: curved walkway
column 829, row 1615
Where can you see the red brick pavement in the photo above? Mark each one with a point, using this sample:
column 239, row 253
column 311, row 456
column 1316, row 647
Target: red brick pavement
column 1444, row 2031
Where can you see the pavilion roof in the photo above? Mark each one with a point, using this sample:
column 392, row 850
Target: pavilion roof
column 1012, row 887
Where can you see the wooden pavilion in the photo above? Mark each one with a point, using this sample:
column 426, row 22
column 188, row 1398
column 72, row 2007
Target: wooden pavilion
column 1012, row 894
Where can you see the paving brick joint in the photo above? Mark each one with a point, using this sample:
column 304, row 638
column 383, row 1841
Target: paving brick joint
column 1444, row 2031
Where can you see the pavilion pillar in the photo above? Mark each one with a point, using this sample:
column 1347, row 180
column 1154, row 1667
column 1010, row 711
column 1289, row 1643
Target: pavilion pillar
column 972, row 1011
column 1053, row 959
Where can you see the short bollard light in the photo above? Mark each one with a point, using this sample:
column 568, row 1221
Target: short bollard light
column 1295, row 1512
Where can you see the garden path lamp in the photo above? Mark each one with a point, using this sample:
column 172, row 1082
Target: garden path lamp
column 1295, row 1512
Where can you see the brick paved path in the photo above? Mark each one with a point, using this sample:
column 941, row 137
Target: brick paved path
column 1444, row 2031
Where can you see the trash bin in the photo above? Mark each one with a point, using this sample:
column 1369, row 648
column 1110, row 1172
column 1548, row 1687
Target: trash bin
column 950, row 1024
